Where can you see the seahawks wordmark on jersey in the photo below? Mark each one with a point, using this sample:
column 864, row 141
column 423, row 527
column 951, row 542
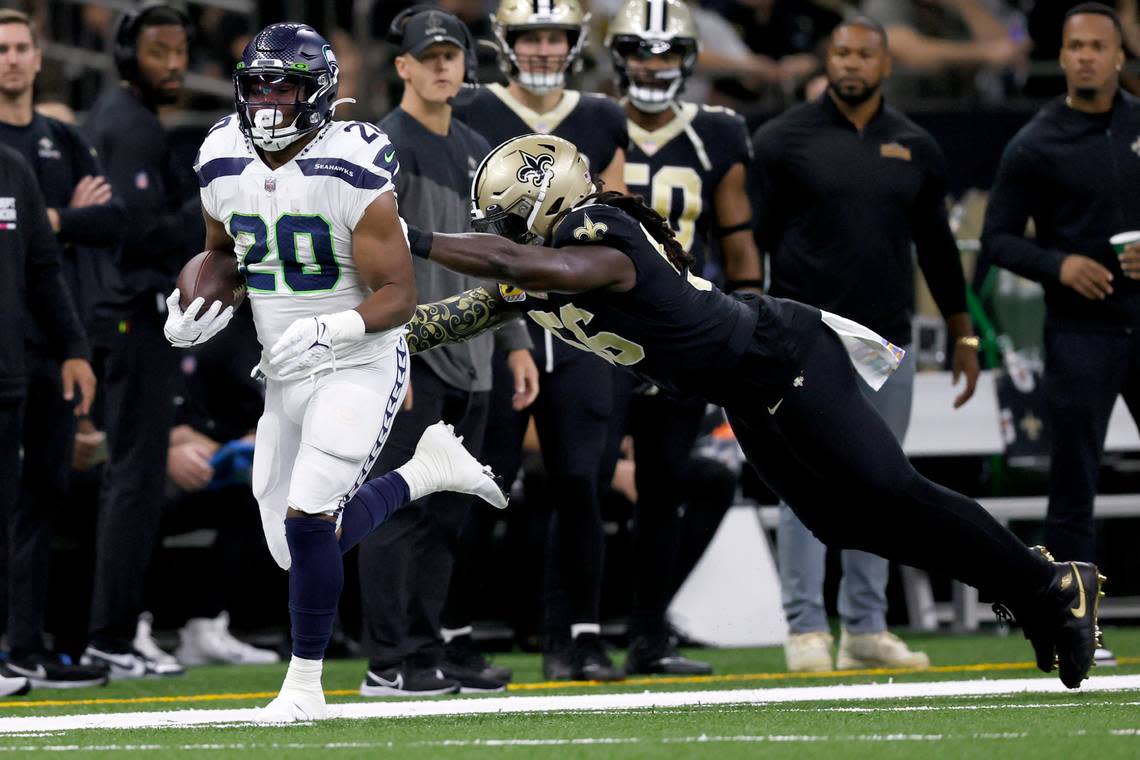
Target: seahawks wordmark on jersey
column 292, row 227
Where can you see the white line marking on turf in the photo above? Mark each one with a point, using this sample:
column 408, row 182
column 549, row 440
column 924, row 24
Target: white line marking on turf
column 583, row 702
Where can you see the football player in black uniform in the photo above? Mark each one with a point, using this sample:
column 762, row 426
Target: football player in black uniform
column 612, row 279
column 687, row 162
column 539, row 42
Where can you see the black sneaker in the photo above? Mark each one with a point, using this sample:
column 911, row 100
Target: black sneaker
column 1061, row 623
column 589, row 661
column 46, row 672
column 130, row 664
column 556, row 666
column 644, row 658
column 400, row 682
column 460, row 654
column 472, row 681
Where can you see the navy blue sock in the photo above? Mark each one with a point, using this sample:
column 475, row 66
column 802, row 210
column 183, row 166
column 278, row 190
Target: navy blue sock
column 315, row 583
column 372, row 504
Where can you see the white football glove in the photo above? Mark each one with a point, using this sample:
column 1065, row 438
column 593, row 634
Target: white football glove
column 185, row 328
column 311, row 341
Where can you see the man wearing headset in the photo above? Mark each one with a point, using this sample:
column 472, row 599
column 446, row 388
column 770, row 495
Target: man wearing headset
column 139, row 366
column 405, row 566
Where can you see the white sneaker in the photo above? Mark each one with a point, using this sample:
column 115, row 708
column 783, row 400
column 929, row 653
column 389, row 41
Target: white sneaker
column 882, row 649
column 293, row 705
column 14, row 686
column 447, row 466
column 208, row 640
column 808, row 652
column 1104, row 658
column 144, row 643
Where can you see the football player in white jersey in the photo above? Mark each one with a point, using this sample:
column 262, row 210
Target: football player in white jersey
column 307, row 207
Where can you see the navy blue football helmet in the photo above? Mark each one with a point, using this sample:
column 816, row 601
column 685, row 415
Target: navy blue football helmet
column 286, row 70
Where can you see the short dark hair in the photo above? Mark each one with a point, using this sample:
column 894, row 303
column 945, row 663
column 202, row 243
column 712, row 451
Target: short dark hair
column 157, row 15
column 12, row 16
column 1098, row 9
column 865, row 22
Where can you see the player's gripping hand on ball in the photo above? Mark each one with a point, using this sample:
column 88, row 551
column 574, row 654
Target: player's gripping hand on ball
column 185, row 328
column 311, row 341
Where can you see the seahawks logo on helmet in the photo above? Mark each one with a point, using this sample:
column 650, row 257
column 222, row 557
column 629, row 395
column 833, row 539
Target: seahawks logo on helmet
column 533, row 168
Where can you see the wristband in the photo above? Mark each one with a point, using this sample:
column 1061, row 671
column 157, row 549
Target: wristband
column 419, row 242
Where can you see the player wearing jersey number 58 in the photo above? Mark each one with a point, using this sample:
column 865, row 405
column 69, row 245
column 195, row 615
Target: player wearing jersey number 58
column 310, row 216
column 611, row 279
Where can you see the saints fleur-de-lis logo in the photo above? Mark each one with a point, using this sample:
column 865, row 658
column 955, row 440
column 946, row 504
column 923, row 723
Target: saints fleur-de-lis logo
column 533, row 168
column 589, row 230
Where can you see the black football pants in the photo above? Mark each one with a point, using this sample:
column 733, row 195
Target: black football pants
column 828, row 454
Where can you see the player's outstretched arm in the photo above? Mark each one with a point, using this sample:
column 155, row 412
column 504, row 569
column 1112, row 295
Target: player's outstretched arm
column 570, row 269
column 457, row 319
column 380, row 252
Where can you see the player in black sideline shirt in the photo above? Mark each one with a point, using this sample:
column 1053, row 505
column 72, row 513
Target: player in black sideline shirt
column 688, row 162
column 81, row 214
column 1074, row 170
column 539, row 42
column 139, row 366
column 30, row 281
column 611, row 279
column 848, row 194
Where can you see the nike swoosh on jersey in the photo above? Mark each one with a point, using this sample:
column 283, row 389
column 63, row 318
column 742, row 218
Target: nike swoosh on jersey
column 772, row 409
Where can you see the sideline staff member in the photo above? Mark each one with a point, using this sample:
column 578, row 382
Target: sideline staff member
column 140, row 368
column 844, row 188
column 1074, row 170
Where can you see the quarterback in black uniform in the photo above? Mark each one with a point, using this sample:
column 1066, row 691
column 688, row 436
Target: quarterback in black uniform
column 613, row 280
column 688, row 163
column 539, row 42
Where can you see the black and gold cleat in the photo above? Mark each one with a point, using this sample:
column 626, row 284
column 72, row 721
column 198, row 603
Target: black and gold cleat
column 1075, row 593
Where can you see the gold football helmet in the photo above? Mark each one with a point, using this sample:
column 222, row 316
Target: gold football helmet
column 522, row 186
column 643, row 29
column 538, row 74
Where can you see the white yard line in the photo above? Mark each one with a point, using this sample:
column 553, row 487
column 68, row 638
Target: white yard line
column 579, row 703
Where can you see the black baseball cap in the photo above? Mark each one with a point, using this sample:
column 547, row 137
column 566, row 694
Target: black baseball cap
column 428, row 27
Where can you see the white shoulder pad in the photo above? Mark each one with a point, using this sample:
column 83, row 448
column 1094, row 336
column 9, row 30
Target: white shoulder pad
column 354, row 151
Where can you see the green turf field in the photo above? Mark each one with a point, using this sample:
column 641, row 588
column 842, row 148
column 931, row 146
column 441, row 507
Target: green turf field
column 1104, row 724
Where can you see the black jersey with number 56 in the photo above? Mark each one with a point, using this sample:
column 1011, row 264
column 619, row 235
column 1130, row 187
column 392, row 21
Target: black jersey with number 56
column 672, row 328
column 678, row 167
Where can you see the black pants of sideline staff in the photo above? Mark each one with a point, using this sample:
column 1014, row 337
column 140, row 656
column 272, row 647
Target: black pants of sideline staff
column 48, row 433
column 1085, row 370
column 405, row 565
column 137, row 385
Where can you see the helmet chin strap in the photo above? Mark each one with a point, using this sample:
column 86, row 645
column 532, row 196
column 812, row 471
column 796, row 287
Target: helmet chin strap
column 547, row 178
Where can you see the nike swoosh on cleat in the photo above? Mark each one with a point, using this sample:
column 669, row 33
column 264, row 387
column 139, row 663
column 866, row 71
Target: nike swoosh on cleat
column 1080, row 610
column 396, row 683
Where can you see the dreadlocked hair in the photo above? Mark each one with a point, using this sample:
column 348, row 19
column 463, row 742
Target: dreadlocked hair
column 656, row 225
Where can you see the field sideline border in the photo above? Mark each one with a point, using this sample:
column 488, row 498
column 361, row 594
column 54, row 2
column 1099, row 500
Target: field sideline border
column 991, row 667
column 576, row 703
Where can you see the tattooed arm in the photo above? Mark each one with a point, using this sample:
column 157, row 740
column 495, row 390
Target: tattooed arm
column 460, row 317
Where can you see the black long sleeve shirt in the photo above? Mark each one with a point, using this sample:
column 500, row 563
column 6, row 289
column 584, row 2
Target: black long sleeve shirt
column 164, row 217
column 1076, row 176
column 30, row 276
column 60, row 157
column 842, row 212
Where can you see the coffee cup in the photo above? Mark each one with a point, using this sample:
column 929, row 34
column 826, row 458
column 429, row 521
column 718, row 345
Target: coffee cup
column 1122, row 240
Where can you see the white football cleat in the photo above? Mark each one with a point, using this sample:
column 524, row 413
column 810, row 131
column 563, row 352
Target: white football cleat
column 447, row 466
column 293, row 705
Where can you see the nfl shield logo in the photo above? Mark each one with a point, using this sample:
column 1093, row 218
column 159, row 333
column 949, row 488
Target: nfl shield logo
column 142, row 181
column 270, row 184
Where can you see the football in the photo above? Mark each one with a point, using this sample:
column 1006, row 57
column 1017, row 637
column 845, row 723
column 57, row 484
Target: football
column 212, row 276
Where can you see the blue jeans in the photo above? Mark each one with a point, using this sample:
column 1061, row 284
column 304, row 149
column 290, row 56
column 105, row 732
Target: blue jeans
column 801, row 556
